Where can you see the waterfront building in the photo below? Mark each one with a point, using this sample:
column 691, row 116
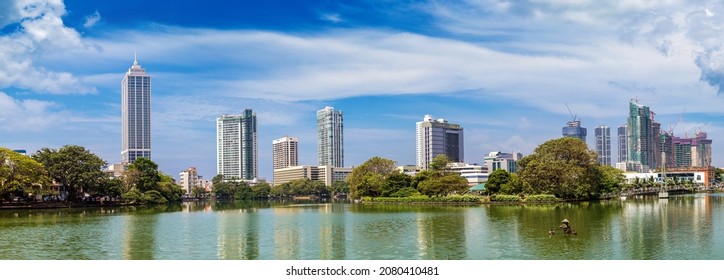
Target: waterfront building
column 603, row 144
column 330, row 137
column 643, row 136
column 325, row 173
column 574, row 129
column 285, row 152
column 694, row 152
column 236, row 146
column 473, row 173
column 701, row 176
column 135, row 114
column 438, row 137
column 188, row 179
column 506, row 161
column 622, row 143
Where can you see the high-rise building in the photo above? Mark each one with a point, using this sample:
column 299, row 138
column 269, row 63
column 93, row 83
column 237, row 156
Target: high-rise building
column 236, row 146
column 643, row 136
column 285, row 152
column 603, row 144
column 574, row 129
column 438, row 137
column 330, row 137
column 692, row 152
column 135, row 114
column 622, row 143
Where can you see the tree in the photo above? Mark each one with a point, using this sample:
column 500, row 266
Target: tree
column 368, row 179
column 496, row 180
column 20, row 174
column 438, row 180
column 76, row 168
column 148, row 176
column 610, row 179
column 564, row 167
column 340, row 187
column 395, row 182
column 261, row 190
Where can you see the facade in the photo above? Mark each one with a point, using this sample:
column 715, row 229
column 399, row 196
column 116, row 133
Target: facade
column 410, row 170
column 135, row 114
column 497, row 160
column 603, row 144
column 574, row 129
column 189, row 179
column 622, row 143
column 326, row 174
column 692, row 152
column 643, row 136
column 473, row 173
column 438, row 137
column 330, row 137
column 236, row 146
column 285, row 152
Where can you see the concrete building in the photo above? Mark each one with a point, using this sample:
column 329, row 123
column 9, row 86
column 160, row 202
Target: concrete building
column 701, row 176
column 473, row 173
column 285, row 152
column 574, row 129
column 643, row 136
column 330, row 137
column 498, row 160
column 410, row 170
column 236, row 146
column 189, row 179
column 622, row 143
column 326, row 174
column 135, row 114
column 692, row 152
column 603, row 144
column 438, row 137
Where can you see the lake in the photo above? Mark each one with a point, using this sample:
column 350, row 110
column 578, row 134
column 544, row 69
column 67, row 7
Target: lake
column 684, row 227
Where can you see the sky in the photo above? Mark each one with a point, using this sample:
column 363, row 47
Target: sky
column 506, row 71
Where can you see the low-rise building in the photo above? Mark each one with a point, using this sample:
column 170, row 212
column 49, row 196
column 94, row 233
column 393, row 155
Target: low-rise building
column 475, row 174
column 327, row 174
column 506, row 161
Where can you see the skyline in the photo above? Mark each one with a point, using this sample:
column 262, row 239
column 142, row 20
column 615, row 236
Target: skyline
column 503, row 71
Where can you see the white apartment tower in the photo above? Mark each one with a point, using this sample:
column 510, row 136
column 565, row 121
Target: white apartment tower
column 330, row 137
column 438, row 137
column 135, row 114
column 188, row 179
column 236, row 146
column 285, row 152
column 603, row 144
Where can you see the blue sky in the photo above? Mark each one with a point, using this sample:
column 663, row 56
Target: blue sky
column 504, row 70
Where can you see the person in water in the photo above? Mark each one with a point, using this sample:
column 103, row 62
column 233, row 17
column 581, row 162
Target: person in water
column 564, row 226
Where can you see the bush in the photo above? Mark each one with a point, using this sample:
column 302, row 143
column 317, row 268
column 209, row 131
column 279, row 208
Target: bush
column 505, row 198
column 132, row 196
column 153, row 197
column 453, row 199
column 405, row 192
column 541, row 198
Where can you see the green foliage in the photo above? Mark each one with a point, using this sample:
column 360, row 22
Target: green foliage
column 454, row 199
column 261, row 190
column 72, row 166
column 20, row 174
column 541, row 198
column 340, row 187
column 240, row 190
column 405, row 192
column 439, row 163
column 496, row 180
column 443, row 185
column 132, row 196
column 505, row 198
column 610, row 179
column 148, row 174
column 153, row 197
column 564, row 167
column 369, row 178
column 394, row 183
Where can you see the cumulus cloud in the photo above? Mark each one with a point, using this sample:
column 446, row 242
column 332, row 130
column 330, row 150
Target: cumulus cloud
column 92, row 19
column 26, row 114
column 41, row 32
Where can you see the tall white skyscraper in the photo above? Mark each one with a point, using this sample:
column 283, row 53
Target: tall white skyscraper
column 236, row 146
column 135, row 114
column 330, row 137
column 285, row 152
column 603, row 144
column 438, row 137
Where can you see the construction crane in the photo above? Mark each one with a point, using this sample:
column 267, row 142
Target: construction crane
column 681, row 120
column 569, row 111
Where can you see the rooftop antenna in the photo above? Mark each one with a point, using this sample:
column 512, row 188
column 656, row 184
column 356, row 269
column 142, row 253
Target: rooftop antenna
column 135, row 62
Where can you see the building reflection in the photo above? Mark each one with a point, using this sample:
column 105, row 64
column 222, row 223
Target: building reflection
column 238, row 234
column 441, row 235
column 332, row 232
column 139, row 239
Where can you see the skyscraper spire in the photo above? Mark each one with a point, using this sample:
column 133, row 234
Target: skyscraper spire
column 135, row 61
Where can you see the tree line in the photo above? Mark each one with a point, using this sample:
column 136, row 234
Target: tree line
column 79, row 174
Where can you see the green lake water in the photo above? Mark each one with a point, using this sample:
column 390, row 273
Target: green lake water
column 684, row 227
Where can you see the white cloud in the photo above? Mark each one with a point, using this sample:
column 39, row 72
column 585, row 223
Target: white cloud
column 332, row 17
column 42, row 32
column 92, row 19
column 27, row 114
